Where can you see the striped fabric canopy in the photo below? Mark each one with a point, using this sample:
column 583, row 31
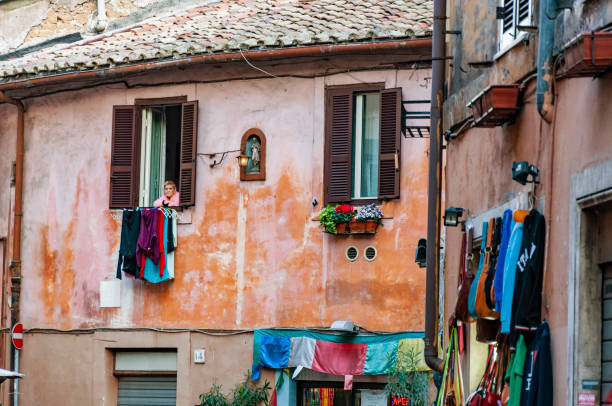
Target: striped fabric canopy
column 347, row 354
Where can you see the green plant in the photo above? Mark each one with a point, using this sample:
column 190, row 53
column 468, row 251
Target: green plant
column 243, row 394
column 326, row 217
column 405, row 380
column 370, row 212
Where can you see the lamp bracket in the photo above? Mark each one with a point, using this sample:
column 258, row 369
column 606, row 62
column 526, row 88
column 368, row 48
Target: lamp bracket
column 212, row 155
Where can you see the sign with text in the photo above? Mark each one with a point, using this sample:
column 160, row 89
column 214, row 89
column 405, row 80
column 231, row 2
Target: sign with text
column 587, row 399
column 400, row 401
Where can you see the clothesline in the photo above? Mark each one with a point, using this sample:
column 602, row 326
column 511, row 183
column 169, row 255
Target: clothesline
column 117, row 214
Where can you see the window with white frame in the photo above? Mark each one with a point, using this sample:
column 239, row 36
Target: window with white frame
column 515, row 13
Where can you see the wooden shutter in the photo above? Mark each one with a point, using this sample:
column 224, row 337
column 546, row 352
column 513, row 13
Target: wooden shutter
column 338, row 145
column 390, row 141
column 123, row 168
column 189, row 133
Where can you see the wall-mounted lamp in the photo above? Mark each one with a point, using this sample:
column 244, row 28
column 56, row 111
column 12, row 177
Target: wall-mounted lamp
column 452, row 216
column 243, row 160
column 213, row 156
column 522, row 171
column 421, row 253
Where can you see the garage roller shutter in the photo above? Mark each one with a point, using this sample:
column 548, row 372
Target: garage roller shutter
column 147, row 390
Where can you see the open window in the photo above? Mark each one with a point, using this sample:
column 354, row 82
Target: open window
column 362, row 144
column 153, row 140
column 514, row 13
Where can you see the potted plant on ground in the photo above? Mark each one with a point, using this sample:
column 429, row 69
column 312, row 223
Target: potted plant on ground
column 371, row 215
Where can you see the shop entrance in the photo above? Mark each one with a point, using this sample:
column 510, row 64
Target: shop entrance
column 321, row 393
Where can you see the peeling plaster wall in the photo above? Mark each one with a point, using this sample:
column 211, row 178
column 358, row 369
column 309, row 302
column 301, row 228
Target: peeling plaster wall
column 29, row 22
column 579, row 138
column 254, row 255
column 478, row 43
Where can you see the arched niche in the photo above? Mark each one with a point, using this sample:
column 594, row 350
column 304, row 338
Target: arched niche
column 253, row 144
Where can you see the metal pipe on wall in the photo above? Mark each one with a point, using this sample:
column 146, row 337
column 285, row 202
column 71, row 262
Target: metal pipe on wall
column 434, row 188
column 101, row 19
column 546, row 41
column 15, row 262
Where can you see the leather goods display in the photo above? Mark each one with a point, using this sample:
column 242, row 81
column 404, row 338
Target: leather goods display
column 465, row 279
column 489, row 289
column 487, row 330
column 474, row 286
column 482, row 310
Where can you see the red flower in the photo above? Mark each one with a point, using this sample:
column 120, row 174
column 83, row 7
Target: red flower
column 344, row 209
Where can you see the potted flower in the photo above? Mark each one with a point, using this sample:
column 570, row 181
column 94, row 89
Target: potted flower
column 342, row 216
column 371, row 215
column 335, row 219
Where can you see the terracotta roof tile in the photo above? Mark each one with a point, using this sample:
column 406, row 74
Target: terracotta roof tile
column 232, row 25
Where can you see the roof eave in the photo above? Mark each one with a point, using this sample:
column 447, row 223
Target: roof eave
column 372, row 47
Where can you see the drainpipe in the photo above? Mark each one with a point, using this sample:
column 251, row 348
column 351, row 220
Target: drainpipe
column 434, row 188
column 546, row 41
column 101, row 20
column 15, row 262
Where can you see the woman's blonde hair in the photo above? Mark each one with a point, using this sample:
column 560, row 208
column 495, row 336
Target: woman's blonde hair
column 170, row 182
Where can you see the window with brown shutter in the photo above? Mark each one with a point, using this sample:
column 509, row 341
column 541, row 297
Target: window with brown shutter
column 362, row 144
column 123, row 180
column 189, row 129
column 153, row 141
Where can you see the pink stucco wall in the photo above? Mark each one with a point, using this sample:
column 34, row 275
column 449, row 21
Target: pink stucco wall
column 478, row 174
column 253, row 256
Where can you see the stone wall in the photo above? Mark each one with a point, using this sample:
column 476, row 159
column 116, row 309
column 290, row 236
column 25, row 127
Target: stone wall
column 24, row 23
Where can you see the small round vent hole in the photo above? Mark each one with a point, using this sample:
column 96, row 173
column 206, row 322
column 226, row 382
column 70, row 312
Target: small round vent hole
column 370, row 253
column 352, row 253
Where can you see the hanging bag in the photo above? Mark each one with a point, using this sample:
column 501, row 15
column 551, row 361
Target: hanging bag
column 474, row 286
column 465, row 279
column 482, row 310
column 489, row 289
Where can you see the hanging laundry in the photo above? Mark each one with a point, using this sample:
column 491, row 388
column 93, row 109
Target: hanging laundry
column 130, row 229
column 514, row 376
column 514, row 248
column 527, row 303
column 538, row 379
column 156, row 273
column 148, row 244
column 498, row 283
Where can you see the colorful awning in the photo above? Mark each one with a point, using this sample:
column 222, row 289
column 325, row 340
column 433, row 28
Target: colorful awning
column 347, row 354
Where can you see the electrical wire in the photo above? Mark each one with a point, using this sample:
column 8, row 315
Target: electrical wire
column 255, row 67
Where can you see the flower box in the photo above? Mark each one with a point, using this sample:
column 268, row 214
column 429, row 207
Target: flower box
column 589, row 54
column 357, row 227
column 496, row 105
column 371, row 226
column 343, row 228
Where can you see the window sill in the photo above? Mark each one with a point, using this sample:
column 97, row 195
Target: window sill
column 521, row 37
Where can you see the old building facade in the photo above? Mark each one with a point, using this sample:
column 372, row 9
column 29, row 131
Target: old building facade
column 562, row 126
column 251, row 253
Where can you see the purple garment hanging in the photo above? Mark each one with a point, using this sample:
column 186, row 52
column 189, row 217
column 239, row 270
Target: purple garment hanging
column 148, row 242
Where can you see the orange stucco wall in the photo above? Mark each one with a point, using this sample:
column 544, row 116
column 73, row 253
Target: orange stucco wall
column 253, row 255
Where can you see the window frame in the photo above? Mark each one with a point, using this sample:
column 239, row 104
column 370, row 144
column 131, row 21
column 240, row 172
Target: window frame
column 506, row 41
column 328, row 116
column 116, row 169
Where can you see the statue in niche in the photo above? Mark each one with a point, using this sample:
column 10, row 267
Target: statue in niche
column 253, row 149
